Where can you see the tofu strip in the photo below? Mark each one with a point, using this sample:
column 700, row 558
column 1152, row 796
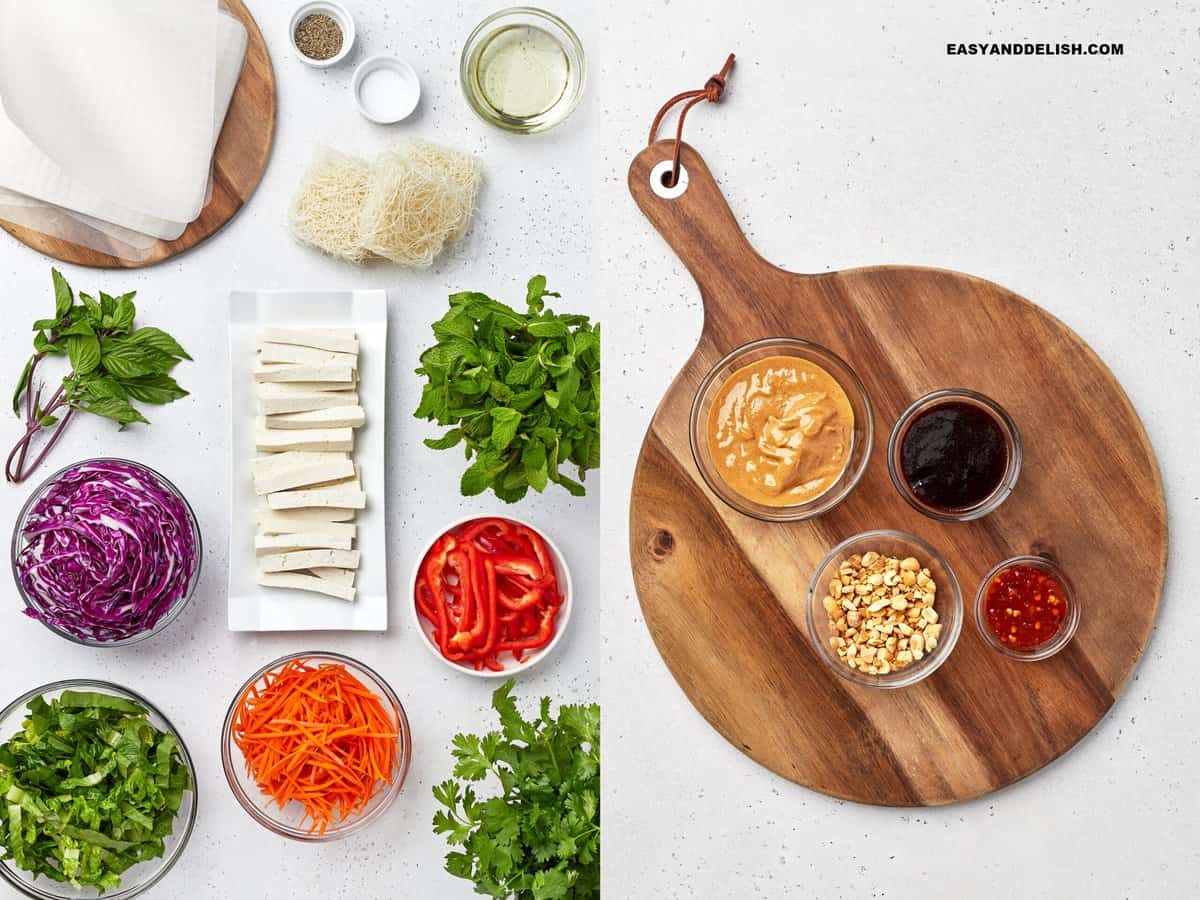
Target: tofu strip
column 307, row 559
column 341, row 576
column 319, row 440
column 272, row 521
column 316, row 540
column 288, row 373
column 302, row 582
column 337, row 340
column 333, row 417
column 335, row 496
column 302, row 475
column 269, row 352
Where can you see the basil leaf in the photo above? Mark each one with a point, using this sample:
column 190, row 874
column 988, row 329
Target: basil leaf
column 22, row 384
column 123, row 359
column 121, row 411
column 122, row 317
column 154, row 388
column 83, row 326
column 84, row 352
column 94, row 313
column 104, row 387
column 64, row 297
column 158, row 339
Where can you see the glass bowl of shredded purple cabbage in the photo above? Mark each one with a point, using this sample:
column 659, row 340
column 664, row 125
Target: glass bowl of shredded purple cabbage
column 106, row 552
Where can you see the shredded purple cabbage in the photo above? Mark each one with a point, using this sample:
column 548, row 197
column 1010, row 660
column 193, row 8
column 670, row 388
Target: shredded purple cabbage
column 109, row 550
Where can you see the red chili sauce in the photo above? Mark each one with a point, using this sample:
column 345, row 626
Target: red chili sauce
column 1025, row 607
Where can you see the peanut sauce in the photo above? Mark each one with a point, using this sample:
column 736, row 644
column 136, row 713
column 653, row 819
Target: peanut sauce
column 780, row 431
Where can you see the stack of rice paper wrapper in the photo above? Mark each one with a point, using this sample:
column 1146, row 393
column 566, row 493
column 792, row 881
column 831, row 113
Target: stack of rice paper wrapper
column 111, row 114
column 406, row 206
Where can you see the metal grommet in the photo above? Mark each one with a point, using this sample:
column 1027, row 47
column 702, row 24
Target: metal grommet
column 656, row 180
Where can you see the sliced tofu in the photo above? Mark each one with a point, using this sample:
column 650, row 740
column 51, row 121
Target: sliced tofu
column 307, row 559
column 271, row 521
column 322, row 440
column 340, row 576
column 309, row 398
column 266, row 389
column 338, row 340
column 302, row 582
column 315, row 540
column 333, row 373
column 283, row 460
column 269, row 352
column 340, row 496
column 269, row 479
column 333, row 417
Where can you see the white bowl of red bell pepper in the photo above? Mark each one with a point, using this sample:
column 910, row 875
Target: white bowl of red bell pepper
column 491, row 596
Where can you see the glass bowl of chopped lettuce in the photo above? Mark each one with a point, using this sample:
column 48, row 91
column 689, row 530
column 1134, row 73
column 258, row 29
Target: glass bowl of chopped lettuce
column 99, row 789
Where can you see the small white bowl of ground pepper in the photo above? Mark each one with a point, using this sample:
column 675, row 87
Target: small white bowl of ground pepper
column 322, row 33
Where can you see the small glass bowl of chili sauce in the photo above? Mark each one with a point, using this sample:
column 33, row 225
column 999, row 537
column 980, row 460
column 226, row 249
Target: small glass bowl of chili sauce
column 955, row 455
column 1025, row 608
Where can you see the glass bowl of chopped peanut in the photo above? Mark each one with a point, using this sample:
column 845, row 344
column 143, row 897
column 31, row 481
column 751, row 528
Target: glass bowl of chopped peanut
column 884, row 609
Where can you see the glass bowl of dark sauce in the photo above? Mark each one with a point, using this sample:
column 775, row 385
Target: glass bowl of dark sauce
column 955, row 455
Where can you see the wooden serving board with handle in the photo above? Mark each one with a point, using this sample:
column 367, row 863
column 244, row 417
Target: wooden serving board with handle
column 724, row 594
column 239, row 161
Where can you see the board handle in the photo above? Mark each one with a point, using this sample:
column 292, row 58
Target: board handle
column 695, row 220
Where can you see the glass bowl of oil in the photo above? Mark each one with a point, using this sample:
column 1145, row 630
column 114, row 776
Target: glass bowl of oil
column 523, row 70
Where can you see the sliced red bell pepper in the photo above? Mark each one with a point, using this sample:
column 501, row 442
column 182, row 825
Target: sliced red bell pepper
column 489, row 587
column 472, row 531
column 540, row 550
column 426, row 605
column 526, row 600
column 524, row 566
column 540, row 638
column 474, row 633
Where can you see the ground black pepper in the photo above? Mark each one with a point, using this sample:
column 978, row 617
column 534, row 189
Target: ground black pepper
column 319, row 36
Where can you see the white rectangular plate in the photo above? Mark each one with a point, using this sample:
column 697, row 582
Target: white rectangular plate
column 255, row 608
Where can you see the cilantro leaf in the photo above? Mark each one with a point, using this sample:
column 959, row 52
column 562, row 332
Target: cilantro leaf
column 539, row 838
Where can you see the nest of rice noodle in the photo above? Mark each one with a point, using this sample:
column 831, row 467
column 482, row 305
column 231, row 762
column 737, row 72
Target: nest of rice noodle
column 406, row 206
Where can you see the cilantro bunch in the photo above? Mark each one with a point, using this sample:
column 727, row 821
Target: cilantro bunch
column 112, row 365
column 539, row 839
column 521, row 390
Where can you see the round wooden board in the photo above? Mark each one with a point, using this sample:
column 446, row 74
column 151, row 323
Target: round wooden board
column 723, row 594
column 238, row 164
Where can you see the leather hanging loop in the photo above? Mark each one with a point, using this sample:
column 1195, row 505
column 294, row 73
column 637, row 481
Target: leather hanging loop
column 712, row 91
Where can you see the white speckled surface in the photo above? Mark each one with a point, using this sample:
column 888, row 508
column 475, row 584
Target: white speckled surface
column 534, row 217
column 849, row 137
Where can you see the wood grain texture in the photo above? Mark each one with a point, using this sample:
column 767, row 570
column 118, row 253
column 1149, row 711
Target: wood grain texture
column 239, row 161
column 723, row 594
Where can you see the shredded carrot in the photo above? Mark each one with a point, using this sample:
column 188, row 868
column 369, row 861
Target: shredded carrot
column 318, row 736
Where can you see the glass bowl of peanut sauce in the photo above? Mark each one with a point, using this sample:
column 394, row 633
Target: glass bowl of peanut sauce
column 781, row 429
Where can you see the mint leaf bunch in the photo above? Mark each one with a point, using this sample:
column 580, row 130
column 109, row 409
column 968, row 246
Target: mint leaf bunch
column 520, row 390
column 539, row 838
column 112, row 365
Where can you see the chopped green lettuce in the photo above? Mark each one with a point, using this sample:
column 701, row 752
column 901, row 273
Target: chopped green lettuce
column 89, row 788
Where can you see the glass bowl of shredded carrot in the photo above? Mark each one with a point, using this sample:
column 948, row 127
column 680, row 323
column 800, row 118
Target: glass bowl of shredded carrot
column 315, row 746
